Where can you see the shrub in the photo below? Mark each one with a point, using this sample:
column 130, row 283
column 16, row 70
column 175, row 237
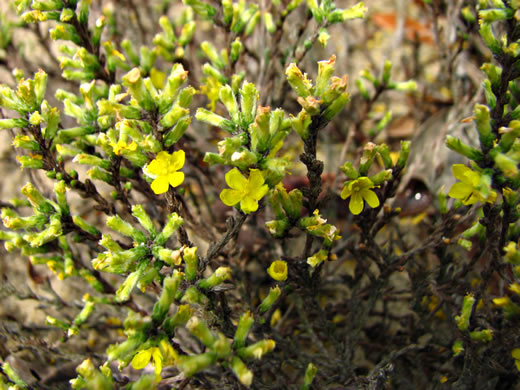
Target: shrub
column 203, row 262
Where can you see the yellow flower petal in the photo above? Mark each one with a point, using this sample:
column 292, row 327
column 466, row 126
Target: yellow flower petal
column 231, row 197
column 155, row 167
column 370, row 197
column 515, row 353
column 177, row 160
column 141, row 359
column 278, row 270
column 472, row 199
column 346, row 192
column 256, row 179
column 248, row 204
column 160, row 185
column 259, row 193
column 163, row 157
column 356, row 203
column 460, row 190
column 157, row 363
column 460, row 171
column 235, row 180
column 132, row 147
column 175, row 179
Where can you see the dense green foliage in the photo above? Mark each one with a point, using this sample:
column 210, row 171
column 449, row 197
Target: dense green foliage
column 208, row 237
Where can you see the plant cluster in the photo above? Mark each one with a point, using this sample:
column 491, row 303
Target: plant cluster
column 214, row 268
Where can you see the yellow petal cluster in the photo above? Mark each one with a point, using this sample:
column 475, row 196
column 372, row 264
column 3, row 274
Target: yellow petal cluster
column 247, row 192
column 164, row 169
column 359, row 190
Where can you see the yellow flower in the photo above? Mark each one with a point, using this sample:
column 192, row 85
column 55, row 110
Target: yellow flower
column 164, row 171
column 278, row 270
column 211, row 89
column 142, row 358
column 246, row 191
column 122, row 145
column 471, row 188
column 359, row 190
column 515, row 353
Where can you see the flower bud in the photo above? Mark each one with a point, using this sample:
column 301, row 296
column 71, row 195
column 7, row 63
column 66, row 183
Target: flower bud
column 200, row 330
column 214, row 120
column 66, row 32
column 507, row 165
column 126, row 288
column 202, row 9
column 325, row 71
column 193, row 296
column 270, row 299
column 483, row 121
column 369, row 153
column 468, row 15
column 494, row 15
column 457, row 348
column 269, row 24
column 244, row 325
column 125, row 350
column 336, row 106
column 162, row 306
column 236, row 50
column 508, row 135
column 362, row 89
column 310, row 373
column 249, row 98
column 257, row 350
column 484, row 335
column 115, row 222
column 384, row 152
column 323, row 37
column 144, row 219
column 99, row 174
column 180, row 318
column 169, row 256
column 133, row 81
column 301, row 124
column 403, row 155
column 12, row 123
column 173, row 116
column 227, row 97
column 218, row 277
column 310, row 104
column 89, row 159
column 211, row 53
column 381, row 177
column 387, row 117
column 24, row 142
column 176, row 78
column 467, row 308
column 174, row 221
column 191, row 262
column 244, row 375
column 85, row 226
column 37, row 200
column 52, row 232
column 298, row 81
column 278, row 227
column 13, row 221
column 214, row 73
column 488, row 36
column 318, row 258
column 190, row 365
